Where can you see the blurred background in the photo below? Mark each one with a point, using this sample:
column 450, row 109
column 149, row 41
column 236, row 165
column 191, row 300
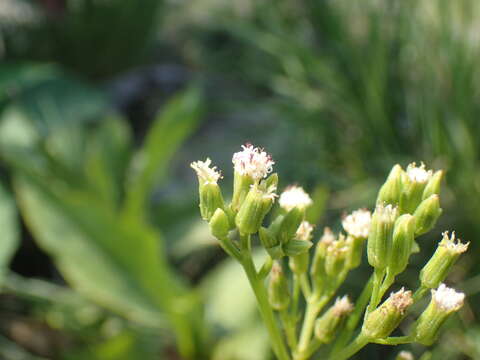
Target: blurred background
column 104, row 103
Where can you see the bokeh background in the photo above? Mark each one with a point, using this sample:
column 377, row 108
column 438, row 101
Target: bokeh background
column 104, row 103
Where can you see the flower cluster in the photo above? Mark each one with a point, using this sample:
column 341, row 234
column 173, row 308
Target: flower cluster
column 408, row 206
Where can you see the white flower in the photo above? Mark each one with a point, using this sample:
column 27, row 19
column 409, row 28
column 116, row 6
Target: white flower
column 294, row 196
column 328, row 236
column 386, row 212
column 357, row 223
column 404, row 355
column 252, row 161
column 206, row 174
column 342, row 306
column 401, row 300
column 304, row 231
column 450, row 244
column 418, row 174
column 447, row 298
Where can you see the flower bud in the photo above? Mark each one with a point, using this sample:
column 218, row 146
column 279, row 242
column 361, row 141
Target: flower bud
column 250, row 166
column 355, row 251
column 219, row 224
column 317, row 271
column 433, row 185
column 278, row 294
column 445, row 301
column 413, row 186
column 439, row 265
column 379, row 244
column 403, row 237
column 257, row 204
column 270, row 243
column 404, row 355
column 290, row 223
column 381, row 322
column 390, row 191
column 210, row 194
column 301, row 243
column 336, row 258
column 427, row 214
column 328, row 325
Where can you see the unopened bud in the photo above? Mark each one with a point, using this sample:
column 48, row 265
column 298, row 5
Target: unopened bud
column 219, row 224
column 209, row 192
column 413, row 186
column 328, row 325
column 404, row 355
column 379, row 244
column 403, row 237
column 381, row 322
column 336, row 258
column 433, row 185
column 251, row 165
column 427, row 214
column 317, row 271
column 355, row 251
column 390, row 191
column 253, row 210
column 278, row 294
column 439, row 265
column 445, row 301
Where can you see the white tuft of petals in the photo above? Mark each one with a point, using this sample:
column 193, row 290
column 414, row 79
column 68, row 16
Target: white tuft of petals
column 404, row 355
column 206, row 174
column 453, row 244
column 401, row 300
column 304, row 231
column 294, row 196
column 253, row 162
column 447, row 298
column 387, row 212
column 418, row 174
column 328, row 236
column 343, row 306
column 357, row 223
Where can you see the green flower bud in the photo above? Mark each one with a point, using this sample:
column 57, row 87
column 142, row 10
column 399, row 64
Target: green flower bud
column 278, row 294
column 289, row 226
column 301, row 243
column 379, row 245
column 317, row 271
column 381, row 322
column 336, row 258
column 439, row 265
column 251, row 165
column 330, row 323
column 427, row 214
column 403, row 237
column 390, row 191
column 413, row 186
column 219, row 224
column 355, row 251
column 445, row 301
column 270, row 243
column 253, row 210
column 405, row 355
column 433, row 185
column 210, row 194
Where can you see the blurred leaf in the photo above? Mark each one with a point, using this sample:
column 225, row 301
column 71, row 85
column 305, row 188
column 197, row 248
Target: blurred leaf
column 172, row 126
column 9, row 231
column 316, row 210
column 11, row 351
column 249, row 344
column 112, row 261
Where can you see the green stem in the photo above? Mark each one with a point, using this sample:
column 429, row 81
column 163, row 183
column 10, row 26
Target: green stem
column 305, row 285
column 296, row 297
column 354, row 347
column 354, row 317
column 266, row 311
column 387, row 282
column 290, row 328
column 394, row 340
column 378, row 276
column 419, row 293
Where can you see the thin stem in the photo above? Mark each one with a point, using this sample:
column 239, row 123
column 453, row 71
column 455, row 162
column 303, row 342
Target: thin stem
column 394, row 340
column 354, row 317
column 266, row 311
column 305, row 285
column 290, row 328
column 354, row 347
column 387, row 282
column 378, row 276
column 296, row 297
column 314, row 306
column 419, row 293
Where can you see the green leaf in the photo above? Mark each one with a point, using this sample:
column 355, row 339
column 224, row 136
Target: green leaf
column 9, row 231
column 171, row 127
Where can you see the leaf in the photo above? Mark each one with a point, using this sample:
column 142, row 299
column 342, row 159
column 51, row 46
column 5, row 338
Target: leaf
column 9, row 238
column 171, row 127
column 111, row 261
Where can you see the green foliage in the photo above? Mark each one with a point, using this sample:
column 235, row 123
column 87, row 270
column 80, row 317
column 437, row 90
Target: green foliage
column 9, row 239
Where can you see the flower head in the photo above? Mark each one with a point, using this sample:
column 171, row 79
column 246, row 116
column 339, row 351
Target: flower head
column 253, row 162
column 452, row 244
column 418, row 174
column 328, row 236
column 447, row 298
column 357, row 223
column 342, row 306
column 304, row 231
column 294, row 196
column 206, row 174
column 401, row 300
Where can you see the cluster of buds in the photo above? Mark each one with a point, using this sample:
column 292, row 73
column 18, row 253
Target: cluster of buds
column 408, row 205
